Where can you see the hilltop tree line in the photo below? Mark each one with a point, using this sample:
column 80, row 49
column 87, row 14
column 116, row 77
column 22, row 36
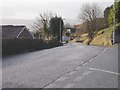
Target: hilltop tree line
column 109, row 13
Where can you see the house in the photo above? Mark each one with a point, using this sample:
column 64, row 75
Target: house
column 12, row 32
column 70, row 30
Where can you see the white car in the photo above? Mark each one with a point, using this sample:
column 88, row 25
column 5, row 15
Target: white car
column 65, row 39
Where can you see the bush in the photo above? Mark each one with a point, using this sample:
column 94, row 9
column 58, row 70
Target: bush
column 15, row 46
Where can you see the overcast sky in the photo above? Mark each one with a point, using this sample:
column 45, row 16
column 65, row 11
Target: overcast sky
column 30, row 9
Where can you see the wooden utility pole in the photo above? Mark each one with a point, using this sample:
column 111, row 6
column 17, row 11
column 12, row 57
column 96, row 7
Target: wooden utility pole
column 114, row 23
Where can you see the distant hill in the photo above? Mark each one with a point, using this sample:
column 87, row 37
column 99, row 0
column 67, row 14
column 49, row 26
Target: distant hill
column 72, row 21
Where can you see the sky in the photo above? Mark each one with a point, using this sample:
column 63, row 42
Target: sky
column 30, row 9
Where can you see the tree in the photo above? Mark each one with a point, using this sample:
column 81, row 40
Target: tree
column 117, row 9
column 111, row 16
column 117, row 13
column 56, row 25
column 41, row 25
column 106, row 15
column 89, row 14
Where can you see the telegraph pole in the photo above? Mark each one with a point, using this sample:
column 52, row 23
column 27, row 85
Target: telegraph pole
column 114, row 23
column 61, row 29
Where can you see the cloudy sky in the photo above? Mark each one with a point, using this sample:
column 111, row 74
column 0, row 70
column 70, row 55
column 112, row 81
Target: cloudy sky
column 30, row 9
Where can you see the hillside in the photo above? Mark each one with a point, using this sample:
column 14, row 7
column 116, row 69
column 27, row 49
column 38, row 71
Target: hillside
column 101, row 39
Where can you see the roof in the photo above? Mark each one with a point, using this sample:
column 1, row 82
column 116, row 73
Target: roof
column 10, row 31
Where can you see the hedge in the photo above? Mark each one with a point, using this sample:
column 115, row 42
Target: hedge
column 15, row 46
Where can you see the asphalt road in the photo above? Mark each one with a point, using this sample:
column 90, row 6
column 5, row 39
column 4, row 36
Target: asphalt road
column 71, row 66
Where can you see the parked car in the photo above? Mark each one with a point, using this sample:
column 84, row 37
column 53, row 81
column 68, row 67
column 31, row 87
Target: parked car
column 65, row 39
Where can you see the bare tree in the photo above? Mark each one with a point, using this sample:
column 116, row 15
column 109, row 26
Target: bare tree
column 89, row 14
column 41, row 26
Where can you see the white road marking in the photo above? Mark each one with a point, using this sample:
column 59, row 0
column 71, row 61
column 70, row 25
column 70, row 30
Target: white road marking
column 50, row 86
column 94, row 57
column 103, row 70
column 73, row 72
column 61, row 79
column 78, row 68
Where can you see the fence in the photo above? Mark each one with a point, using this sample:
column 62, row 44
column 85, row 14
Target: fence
column 15, row 46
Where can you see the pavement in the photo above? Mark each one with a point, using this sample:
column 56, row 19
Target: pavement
column 71, row 66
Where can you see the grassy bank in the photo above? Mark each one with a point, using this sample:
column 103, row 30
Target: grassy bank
column 102, row 38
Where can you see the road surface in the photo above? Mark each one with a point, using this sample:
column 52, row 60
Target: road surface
column 71, row 66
